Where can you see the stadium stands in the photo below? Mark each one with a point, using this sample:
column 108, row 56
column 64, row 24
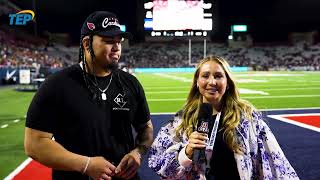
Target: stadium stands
column 22, row 53
column 271, row 57
column 17, row 53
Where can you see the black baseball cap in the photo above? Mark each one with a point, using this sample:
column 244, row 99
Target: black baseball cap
column 103, row 23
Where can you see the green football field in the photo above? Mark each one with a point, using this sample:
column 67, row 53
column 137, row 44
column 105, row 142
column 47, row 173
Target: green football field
column 266, row 90
column 166, row 93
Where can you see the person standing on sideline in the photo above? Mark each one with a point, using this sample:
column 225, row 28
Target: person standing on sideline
column 89, row 109
column 238, row 145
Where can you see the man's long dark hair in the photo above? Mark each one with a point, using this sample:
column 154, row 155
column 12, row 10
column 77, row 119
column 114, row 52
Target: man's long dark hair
column 82, row 59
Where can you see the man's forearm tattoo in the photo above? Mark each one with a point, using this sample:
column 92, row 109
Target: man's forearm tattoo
column 144, row 138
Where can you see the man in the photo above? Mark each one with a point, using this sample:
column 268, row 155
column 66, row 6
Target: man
column 89, row 109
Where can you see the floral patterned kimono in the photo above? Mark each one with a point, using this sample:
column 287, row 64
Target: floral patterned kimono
column 262, row 157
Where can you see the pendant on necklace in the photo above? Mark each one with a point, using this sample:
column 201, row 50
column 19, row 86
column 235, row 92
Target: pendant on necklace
column 104, row 96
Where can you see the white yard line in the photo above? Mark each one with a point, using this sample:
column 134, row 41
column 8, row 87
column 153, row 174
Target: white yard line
column 168, row 87
column 183, row 79
column 163, row 113
column 4, row 126
column 18, row 169
column 265, row 75
column 279, row 109
column 287, row 89
column 275, row 86
column 251, row 81
column 7, row 125
column 166, row 92
column 287, row 96
column 242, row 91
column 285, row 109
column 303, row 80
column 262, row 89
column 281, row 118
column 301, row 114
column 254, row 97
column 250, row 91
column 174, row 99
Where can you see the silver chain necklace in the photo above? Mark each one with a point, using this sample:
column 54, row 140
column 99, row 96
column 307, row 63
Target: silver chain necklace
column 103, row 94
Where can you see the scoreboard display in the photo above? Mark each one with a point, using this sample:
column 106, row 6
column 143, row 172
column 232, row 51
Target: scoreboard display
column 178, row 18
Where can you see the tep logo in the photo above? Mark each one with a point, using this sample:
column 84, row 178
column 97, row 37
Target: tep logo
column 110, row 22
column 22, row 17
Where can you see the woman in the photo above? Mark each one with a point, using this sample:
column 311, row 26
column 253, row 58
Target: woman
column 243, row 145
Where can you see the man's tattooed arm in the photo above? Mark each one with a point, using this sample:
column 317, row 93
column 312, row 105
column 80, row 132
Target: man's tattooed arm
column 144, row 138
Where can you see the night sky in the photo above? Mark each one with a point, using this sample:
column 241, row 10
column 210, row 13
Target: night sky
column 267, row 20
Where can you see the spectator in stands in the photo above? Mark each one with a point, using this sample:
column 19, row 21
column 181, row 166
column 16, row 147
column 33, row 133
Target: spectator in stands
column 302, row 57
column 21, row 53
column 89, row 109
column 241, row 145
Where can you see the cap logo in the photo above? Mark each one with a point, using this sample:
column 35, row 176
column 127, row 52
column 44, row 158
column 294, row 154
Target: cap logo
column 110, row 22
column 91, row 26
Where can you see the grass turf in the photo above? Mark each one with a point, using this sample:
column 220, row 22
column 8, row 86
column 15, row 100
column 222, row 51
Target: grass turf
column 166, row 93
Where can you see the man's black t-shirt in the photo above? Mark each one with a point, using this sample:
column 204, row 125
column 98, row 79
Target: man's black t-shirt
column 64, row 107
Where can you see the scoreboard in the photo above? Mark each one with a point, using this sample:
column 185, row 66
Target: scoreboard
column 178, row 18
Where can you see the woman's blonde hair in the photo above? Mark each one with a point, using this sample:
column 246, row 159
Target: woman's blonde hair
column 232, row 106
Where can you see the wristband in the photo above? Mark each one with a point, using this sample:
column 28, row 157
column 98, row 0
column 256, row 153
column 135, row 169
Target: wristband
column 87, row 164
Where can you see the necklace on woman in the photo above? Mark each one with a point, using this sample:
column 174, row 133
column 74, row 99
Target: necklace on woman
column 103, row 94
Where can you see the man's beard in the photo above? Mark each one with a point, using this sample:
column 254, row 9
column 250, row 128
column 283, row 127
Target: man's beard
column 112, row 66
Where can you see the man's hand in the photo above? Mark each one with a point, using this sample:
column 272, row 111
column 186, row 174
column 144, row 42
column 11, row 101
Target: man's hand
column 129, row 165
column 100, row 168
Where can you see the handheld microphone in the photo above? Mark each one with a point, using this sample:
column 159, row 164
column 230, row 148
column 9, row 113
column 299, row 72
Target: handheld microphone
column 204, row 117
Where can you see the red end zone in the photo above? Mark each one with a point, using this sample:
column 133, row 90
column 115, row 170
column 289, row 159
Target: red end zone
column 30, row 170
column 34, row 170
column 309, row 121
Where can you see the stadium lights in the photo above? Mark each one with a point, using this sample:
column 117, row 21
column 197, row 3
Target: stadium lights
column 149, row 14
column 207, row 5
column 148, row 5
column 207, row 14
column 205, row 33
column 148, row 24
column 198, row 33
column 239, row 28
column 178, row 33
column 123, row 28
